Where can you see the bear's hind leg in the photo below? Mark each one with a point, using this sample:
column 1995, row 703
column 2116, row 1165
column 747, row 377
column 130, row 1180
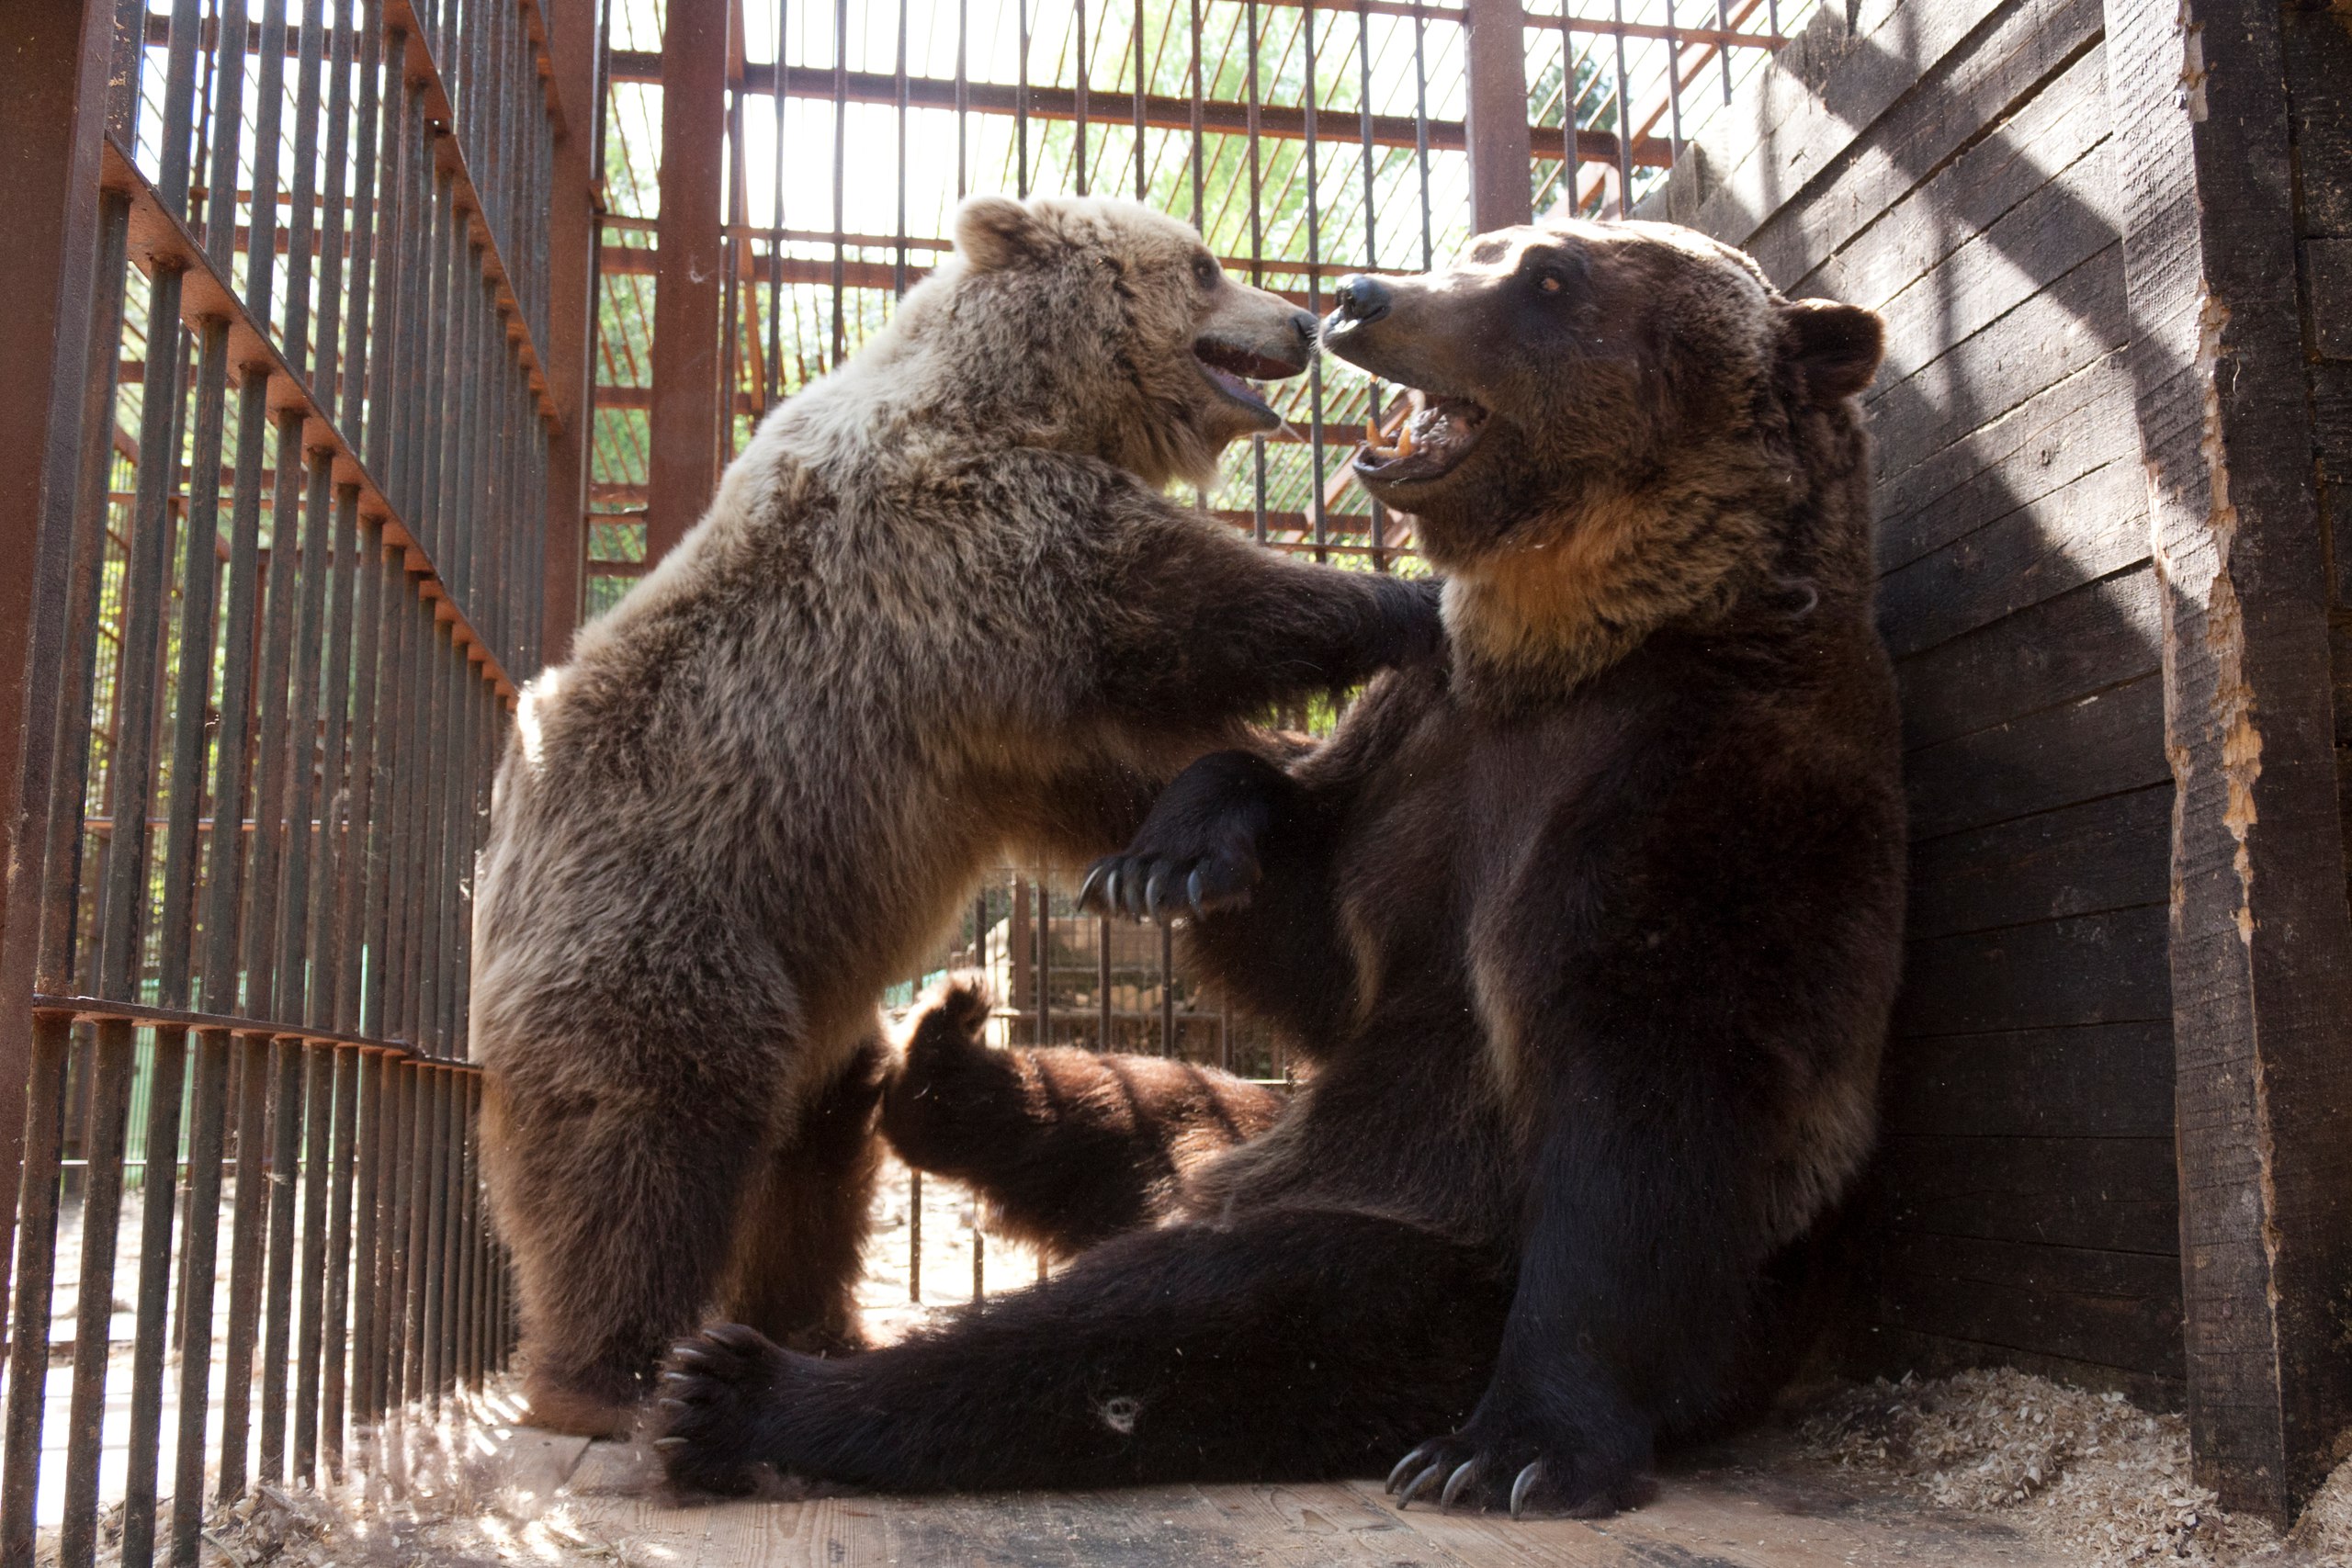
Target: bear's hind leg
column 618, row 1207
column 801, row 1247
column 1288, row 1345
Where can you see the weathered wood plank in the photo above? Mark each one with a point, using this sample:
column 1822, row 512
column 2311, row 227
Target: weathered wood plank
column 2110, row 853
column 2103, row 968
column 1331, row 1524
column 1890, row 1351
column 610, row 1492
column 2087, row 638
column 2100, row 1080
column 2107, row 1194
column 2039, row 140
column 2105, row 743
column 2262, row 935
column 2050, row 336
column 2053, row 439
column 1790, row 127
column 2093, row 526
column 2118, row 1309
column 2041, row 239
column 1983, row 82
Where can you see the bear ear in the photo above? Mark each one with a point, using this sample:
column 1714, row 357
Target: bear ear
column 996, row 231
column 1837, row 345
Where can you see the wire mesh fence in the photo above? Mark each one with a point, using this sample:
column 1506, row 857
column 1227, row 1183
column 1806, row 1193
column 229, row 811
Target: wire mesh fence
column 301, row 564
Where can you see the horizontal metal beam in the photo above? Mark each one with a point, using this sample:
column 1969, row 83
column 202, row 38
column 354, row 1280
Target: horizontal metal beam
column 1333, row 128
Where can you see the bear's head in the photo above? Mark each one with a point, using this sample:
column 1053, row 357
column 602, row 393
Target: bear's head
column 1101, row 327
column 1616, row 426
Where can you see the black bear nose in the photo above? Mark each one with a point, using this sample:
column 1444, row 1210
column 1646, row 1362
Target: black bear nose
column 1304, row 324
column 1362, row 298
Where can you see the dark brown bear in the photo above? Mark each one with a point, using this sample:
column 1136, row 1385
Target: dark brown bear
column 1592, row 937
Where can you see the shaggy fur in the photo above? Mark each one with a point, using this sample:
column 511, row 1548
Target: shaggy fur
column 1069, row 1147
column 1591, row 936
column 939, row 613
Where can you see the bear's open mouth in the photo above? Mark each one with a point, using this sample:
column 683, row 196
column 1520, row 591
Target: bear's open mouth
column 1434, row 439
column 1233, row 371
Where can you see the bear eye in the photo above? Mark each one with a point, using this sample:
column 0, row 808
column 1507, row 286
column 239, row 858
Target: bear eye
column 1550, row 282
column 1204, row 271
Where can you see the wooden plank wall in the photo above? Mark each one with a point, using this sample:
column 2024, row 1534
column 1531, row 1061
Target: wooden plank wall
column 2319, row 74
column 1946, row 163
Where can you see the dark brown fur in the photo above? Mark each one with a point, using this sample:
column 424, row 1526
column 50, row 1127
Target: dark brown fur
column 1069, row 1147
column 1592, row 937
column 940, row 613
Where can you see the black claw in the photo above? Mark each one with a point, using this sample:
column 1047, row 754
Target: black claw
column 1193, row 892
column 1112, row 889
column 673, row 1375
column 1404, row 1467
column 669, row 1442
column 1461, row 1477
column 1414, row 1487
column 1525, row 1484
column 1086, row 889
column 668, row 1403
column 737, row 1337
column 1151, row 891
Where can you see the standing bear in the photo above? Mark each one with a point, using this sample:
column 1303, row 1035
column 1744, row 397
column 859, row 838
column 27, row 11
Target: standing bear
column 1591, row 933
column 939, row 613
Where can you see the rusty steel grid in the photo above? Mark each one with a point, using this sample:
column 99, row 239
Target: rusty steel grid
column 300, row 575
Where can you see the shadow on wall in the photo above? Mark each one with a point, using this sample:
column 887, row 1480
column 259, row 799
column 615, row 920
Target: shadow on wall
column 1948, row 165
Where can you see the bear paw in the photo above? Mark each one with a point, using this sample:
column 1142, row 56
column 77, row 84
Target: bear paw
column 958, row 1006
column 1483, row 1472
column 720, row 1395
column 1198, row 850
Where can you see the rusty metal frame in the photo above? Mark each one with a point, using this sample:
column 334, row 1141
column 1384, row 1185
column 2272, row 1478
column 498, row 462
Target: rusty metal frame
column 249, row 779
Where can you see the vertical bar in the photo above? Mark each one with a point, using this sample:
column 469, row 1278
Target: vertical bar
column 1495, row 114
column 1103, row 982
column 278, row 1304
column 335, row 1317
column 1167, row 989
column 368, row 1149
column 199, row 1253
column 1624, row 120
column 35, row 1273
column 1020, row 100
column 318, row 1127
column 840, row 154
column 685, row 413
column 1077, row 140
column 94, row 1315
column 152, row 1331
column 244, row 1262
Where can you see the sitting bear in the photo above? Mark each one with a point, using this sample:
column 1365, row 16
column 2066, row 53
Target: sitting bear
column 939, row 613
column 1592, row 935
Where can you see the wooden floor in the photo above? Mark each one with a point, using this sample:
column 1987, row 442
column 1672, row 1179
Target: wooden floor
column 1732, row 1512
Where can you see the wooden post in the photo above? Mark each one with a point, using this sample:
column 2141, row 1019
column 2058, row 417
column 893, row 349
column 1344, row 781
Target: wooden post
column 1495, row 116
column 2261, row 937
column 683, row 470
column 53, row 76
column 571, row 317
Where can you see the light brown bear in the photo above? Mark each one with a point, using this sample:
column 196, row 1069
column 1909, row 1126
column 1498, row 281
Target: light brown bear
column 940, row 613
